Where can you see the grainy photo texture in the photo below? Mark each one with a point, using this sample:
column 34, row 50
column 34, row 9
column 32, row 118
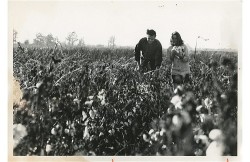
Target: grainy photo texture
column 125, row 78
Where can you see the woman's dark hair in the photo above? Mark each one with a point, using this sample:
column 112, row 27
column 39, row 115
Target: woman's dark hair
column 179, row 40
column 151, row 32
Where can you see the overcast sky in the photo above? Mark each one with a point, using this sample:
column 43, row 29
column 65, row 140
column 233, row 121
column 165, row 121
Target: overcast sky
column 96, row 21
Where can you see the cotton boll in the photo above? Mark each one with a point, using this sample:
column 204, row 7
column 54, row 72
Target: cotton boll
column 179, row 106
column 171, row 110
column 69, row 95
column 157, row 134
column 92, row 153
column 48, row 148
column 175, row 91
column 202, row 138
column 158, row 154
column 215, row 149
column 84, row 115
column 19, row 131
column 53, row 131
column 154, row 137
column 180, row 88
column 57, row 126
column 202, row 117
column 145, row 138
column 90, row 97
column 101, row 134
column 86, row 133
column 208, row 102
column 101, row 92
column 151, row 131
column 162, row 132
column 198, row 108
column 176, row 99
column 35, row 91
column 38, row 85
column 89, row 103
column 224, row 96
column 92, row 114
column 100, row 97
column 103, row 102
column 23, row 103
column 76, row 100
column 71, row 132
column 42, row 152
column 66, row 131
column 215, row 134
column 198, row 152
column 68, row 122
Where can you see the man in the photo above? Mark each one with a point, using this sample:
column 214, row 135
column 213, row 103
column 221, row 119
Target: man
column 151, row 52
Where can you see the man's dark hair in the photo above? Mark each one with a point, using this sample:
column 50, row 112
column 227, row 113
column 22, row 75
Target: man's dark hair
column 151, row 32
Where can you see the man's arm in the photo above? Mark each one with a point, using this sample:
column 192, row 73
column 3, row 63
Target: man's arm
column 158, row 55
column 138, row 52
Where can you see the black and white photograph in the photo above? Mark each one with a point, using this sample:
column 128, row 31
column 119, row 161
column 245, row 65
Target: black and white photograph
column 114, row 80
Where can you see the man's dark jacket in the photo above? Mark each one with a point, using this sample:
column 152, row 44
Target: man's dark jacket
column 151, row 52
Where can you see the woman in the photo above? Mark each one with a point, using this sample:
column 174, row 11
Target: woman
column 179, row 57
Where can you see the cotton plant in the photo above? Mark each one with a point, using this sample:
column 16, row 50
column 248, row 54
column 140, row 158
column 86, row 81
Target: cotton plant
column 19, row 132
column 179, row 49
column 216, row 147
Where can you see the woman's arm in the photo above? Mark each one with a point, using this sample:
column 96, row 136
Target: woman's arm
column 170, row 54
column 185, row 57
